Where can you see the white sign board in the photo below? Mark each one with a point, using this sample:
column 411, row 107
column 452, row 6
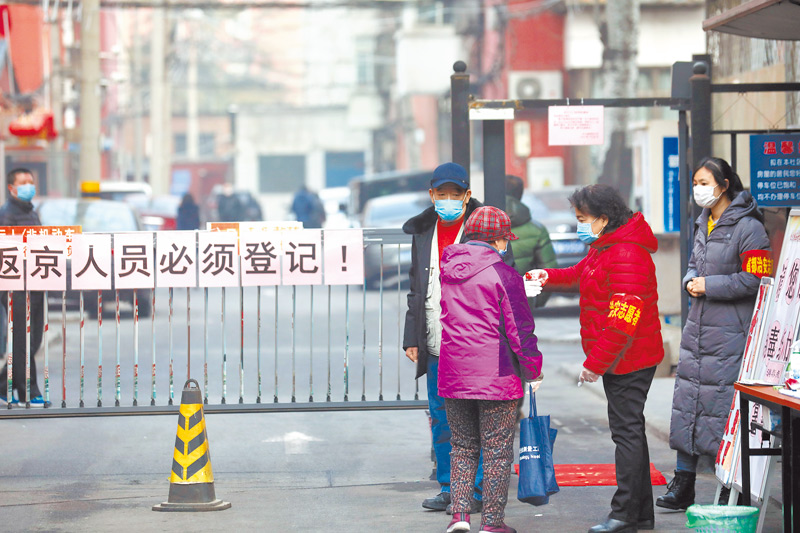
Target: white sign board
column 302, row 257
column 11, row 267
column 344, row 257
column 133, row 261
column 219, row 258
column 577, row 125
column 91, row 262
column 46, row 264
column 176, row 258
column 261, row 252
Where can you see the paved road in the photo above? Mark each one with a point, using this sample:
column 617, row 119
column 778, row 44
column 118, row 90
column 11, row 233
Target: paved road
column 347, row 471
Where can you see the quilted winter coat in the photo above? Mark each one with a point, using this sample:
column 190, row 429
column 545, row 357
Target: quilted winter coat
column 487, row 327
column 716, row 330
column 620, row 326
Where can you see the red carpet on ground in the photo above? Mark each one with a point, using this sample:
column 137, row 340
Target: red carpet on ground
column 594, row 475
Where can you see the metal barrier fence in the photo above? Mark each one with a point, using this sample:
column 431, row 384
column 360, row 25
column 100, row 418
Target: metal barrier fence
column 336, row 346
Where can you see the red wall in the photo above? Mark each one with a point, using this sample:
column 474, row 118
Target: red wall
column 534, row 43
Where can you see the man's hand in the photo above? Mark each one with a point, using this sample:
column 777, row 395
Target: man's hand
column 588, row 376
column 412, row 352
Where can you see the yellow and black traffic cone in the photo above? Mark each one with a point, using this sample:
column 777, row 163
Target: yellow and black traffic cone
column 191, row 485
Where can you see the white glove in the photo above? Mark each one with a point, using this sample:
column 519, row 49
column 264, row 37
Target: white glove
column 535, row 384
column 534, row 280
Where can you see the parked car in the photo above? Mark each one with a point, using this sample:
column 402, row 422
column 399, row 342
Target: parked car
column 94, row 216
column 551, row 207
column 158, row 213
column 390, row 212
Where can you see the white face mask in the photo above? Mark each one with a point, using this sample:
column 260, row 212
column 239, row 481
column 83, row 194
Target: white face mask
column 704, row 195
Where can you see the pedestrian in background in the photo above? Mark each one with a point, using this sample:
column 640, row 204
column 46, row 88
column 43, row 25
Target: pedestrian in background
column 620, row 334
column 229, row 208
column 18, row 211
column 534, row 249
column 308, row 209
column 488, row 344
column 723, row 279
column 188, row 214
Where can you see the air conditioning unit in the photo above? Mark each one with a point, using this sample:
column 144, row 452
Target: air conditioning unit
column 535, row 85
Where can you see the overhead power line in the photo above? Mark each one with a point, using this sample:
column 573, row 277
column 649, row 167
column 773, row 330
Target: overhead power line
column 231, row 5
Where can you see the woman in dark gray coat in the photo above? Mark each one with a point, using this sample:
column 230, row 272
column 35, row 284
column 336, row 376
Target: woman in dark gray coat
column 730, row 255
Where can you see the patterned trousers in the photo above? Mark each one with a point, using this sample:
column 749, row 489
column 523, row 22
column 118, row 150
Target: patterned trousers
column 476, row 425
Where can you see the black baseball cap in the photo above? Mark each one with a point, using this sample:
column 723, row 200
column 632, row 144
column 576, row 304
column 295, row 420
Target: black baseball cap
column 450, row 173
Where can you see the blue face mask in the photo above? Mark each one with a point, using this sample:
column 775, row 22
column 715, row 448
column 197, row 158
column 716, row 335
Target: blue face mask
column 449, row 210
column 585, row 232
column 502, row 252
column 26, row 192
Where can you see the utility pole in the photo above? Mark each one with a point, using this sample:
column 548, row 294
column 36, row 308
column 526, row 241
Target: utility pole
column 90, row 91
column 138, row 108
column 159, row 153
column 192, row 127
column 56, row 176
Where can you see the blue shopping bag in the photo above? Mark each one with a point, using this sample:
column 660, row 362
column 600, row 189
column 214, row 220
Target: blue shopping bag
column 537, row 476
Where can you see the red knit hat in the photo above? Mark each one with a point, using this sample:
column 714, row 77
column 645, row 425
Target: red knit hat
column 489, row 224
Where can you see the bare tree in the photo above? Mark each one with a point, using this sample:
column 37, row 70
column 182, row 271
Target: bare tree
column 619, row 33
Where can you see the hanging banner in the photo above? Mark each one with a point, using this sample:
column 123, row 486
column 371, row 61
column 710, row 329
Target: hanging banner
column 218, row 259
column 260, row 252
column 344, row 257
column 46, row 263
column 176, row 259
column 11, row 263
column 576, row 125
column 133, row 261
column 91, row 262
column 302, row 257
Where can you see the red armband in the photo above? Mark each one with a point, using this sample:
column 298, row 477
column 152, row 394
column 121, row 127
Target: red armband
column 624, row 312
column 757, row 262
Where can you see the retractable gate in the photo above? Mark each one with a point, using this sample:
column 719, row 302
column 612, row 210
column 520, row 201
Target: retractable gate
column 274, row 321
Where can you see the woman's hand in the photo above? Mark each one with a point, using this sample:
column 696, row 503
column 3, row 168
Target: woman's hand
column 588, row 376
column 696, row 287
column 534, row 280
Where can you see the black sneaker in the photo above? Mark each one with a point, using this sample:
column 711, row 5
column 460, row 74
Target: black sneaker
column 475, row 507
column 438, row 502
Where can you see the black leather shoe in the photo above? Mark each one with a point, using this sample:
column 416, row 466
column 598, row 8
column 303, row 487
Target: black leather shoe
column 613, row 525
column 438, row 502
column 647, row 525
column 475, row 507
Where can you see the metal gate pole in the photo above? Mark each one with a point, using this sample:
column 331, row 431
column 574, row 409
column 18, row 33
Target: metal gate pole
column 63, row 348
column 46, row 352
column 459, row 113
column 171, row 353
column 275, row 400
column 224, row 352
column 346, row 342
column 258, row 342
column 205, row 345
column 153, row 329
column 117, row 373
column 28, row 349
column 364, row 343
column 328, row 395
column 701, row 112
column 685, row 207
column 188, row 333
column 100, row 348
column 10, row 351
column 380, row 331
column 399, row 321
column 82, row 350
column 135, row 347
column 311, row 345
column 494, row 163
column 294, row 340
column 241, row 344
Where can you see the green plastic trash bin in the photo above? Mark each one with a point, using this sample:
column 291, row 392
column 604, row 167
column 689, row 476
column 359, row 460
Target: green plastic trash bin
column 722, row 518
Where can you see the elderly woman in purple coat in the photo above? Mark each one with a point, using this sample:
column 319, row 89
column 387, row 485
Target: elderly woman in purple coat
column 488, row 348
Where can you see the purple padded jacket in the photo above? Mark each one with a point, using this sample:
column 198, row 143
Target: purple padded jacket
column 488, row 342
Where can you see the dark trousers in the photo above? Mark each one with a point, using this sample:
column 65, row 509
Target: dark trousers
column 20, row 340
column 626, row 395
